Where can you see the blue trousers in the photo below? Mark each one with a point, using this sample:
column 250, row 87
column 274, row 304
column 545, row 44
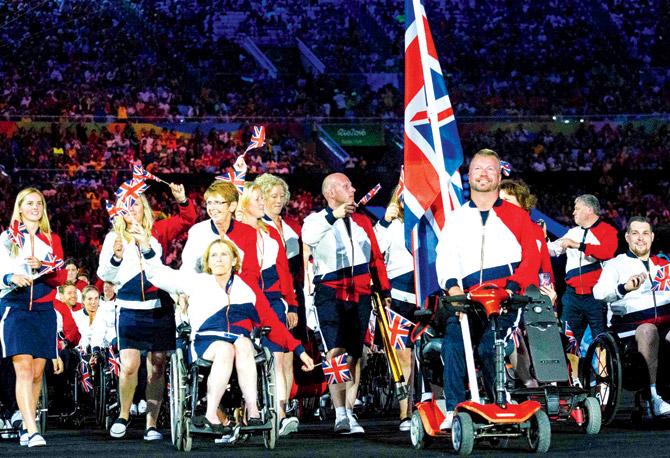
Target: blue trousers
column 453, row 357
column 580, row 310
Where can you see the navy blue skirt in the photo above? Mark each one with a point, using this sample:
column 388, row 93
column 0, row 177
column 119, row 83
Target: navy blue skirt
column 24, row 332
column 146, row 330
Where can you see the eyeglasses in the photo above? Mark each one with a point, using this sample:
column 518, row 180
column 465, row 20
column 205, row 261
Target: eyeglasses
column 215, row 203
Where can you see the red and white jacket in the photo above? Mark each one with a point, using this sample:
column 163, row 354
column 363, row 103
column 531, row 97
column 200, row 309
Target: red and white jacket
column 276, row 277
column 347, row 260
column 502, row 250
column 598, row 243
column 629, row 309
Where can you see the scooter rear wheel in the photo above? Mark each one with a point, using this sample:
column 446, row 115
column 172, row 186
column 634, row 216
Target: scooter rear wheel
column 463, row 433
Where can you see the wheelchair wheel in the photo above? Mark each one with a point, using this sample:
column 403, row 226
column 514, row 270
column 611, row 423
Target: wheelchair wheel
column 101, row 398
column 178, row 424
column 270, row 437
column 601, row 373
column 43, row 407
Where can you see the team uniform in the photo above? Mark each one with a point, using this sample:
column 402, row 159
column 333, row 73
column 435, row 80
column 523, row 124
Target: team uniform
column 399, row 265
column 496, row 246
column 276, row 279
column 598, row 243
column 211, row 316
column 346, row 260
column 205, row 232
column 28, row 322
column 628, row 310
column 103, row 331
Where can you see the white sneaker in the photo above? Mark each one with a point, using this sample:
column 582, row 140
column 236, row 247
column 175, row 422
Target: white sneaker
column 16, row 420
column 6, row 427
column 661, row 408
column 405, row 425
column 354, row 426
column 448, row 420
column 23, row 438
column 36, row 440
column 119, row 428
column 142, row 407
column 342, row 426
column 133, row 410
column 288, row 425
column 152, row 434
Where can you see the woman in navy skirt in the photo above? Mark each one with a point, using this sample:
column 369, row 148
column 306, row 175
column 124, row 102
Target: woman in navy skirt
column 145, row 318
column 27, row 290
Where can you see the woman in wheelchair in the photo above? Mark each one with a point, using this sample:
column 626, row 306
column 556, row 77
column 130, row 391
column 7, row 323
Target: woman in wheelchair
column 222, row 311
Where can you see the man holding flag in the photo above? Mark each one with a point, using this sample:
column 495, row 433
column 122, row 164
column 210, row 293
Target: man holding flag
column 485, row 240
column 637, row 288
column 346, row 261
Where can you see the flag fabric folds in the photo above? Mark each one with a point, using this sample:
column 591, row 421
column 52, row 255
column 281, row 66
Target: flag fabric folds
column 433, row 152
column 573, row 345
column 50, row 264
column 17, row 233
column 113, row 361
column 336, row 370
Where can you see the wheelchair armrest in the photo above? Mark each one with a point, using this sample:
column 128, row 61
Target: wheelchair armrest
column 259, row 332
column 204, row 363
column 184, row 330
column 423, row 316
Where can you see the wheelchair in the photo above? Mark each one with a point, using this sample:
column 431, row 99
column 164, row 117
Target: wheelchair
column 41, row 413
column 187, row 392
column 105, row 386
column 613, row 364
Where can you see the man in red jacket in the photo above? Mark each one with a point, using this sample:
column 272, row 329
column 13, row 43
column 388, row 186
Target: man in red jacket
column 586, row 246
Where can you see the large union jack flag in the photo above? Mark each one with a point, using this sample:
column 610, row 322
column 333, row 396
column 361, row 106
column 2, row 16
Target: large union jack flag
column 661, row 281
column 131, row 189
column 336, row 370
column 257, row 139
column 433, row 151
column 17, row 233
column 399, row 329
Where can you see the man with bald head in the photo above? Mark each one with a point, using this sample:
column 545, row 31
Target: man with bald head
column 347, row 260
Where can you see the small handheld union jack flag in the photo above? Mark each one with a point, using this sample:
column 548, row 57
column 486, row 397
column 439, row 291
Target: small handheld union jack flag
column 86, row 382
column 573, row 345
column 140, row 173
column 51, row 263
column 113, row 361
column 257, row 139
column 505, row 168
column 235, row 177
column 336, row 370
column 115, row 211
column 17, row 233
column 399, row 329
column 368, row 197
column 131, row 189
column 661, row 280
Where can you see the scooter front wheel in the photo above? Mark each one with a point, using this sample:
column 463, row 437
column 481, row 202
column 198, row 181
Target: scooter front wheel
column 417, row 433
column 463, row 433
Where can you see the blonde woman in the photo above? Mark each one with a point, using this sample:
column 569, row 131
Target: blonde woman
column 390, row 232
column 27, row 316
column 277, row 285
column 145, row 317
